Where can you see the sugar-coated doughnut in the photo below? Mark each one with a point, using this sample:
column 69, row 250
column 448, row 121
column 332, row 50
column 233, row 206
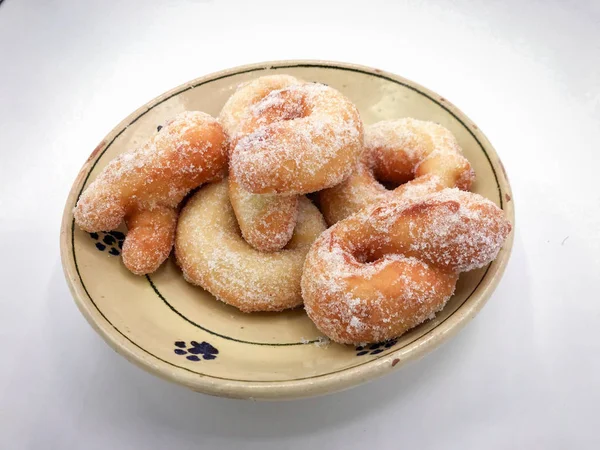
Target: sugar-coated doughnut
column 391, row 266
column 189, row 150
column 297, row 140
column 212, row 253
column 266, row 221
column 425, row 156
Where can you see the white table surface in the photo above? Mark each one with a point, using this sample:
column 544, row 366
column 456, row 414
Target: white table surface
column 524, row 374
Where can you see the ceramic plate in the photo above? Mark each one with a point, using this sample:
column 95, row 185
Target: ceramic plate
column 181, row 333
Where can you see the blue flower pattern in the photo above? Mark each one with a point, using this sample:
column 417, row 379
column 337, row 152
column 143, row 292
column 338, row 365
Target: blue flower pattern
column 111, row 241
column 375, row 349
column 197, row 351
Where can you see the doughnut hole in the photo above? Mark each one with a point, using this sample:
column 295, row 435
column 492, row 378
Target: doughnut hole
column 288, row 105
column 394, row 166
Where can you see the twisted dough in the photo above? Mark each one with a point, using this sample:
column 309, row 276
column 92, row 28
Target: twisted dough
column 144, row 186
column 266, row 221
column 391, row 266
column 423, row 155
column 212, row 254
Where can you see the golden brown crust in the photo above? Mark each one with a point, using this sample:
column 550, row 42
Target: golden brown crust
column 297, row 140
column 389, row 267
column 189, row 151
column 248, row 94
column 150, row 238
column 422, row 156
column 266, row 221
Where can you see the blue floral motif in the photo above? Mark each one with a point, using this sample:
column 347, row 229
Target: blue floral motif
column 375, row 349
column 111, row 241
column 197, row 351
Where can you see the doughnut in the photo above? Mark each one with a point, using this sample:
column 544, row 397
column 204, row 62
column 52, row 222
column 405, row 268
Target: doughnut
column 145, row 185
column 297, row 140
column 421, row 156
column 212, row 253
column 266, row 221
column 392, row 265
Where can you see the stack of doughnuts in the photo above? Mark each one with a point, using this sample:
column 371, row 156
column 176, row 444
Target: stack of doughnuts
column 390, row 258
column 288, row 138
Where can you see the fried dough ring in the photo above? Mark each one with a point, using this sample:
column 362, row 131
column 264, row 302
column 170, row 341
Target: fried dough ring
column 421, row 156
column 393, row 265
column 144, row 186
column 297, row 140
column 212, row 254
column 266, row 221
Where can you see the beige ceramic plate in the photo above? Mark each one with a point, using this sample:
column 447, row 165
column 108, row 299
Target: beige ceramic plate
column 181, row 333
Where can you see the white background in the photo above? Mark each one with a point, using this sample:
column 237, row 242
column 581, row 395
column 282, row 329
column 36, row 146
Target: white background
column 524, row 374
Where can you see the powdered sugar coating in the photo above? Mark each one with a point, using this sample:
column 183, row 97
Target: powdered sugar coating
column 393, row 265
column 248, row 94
column 399, row 151
column 297, row 140
column 150, row 238
column 407, row 148
column 145, row 185
column 213, row 254
column 362, row 190
column 266, row 221
column 188, row 151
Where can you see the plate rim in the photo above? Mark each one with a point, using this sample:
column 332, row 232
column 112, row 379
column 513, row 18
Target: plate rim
column 320, row 384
